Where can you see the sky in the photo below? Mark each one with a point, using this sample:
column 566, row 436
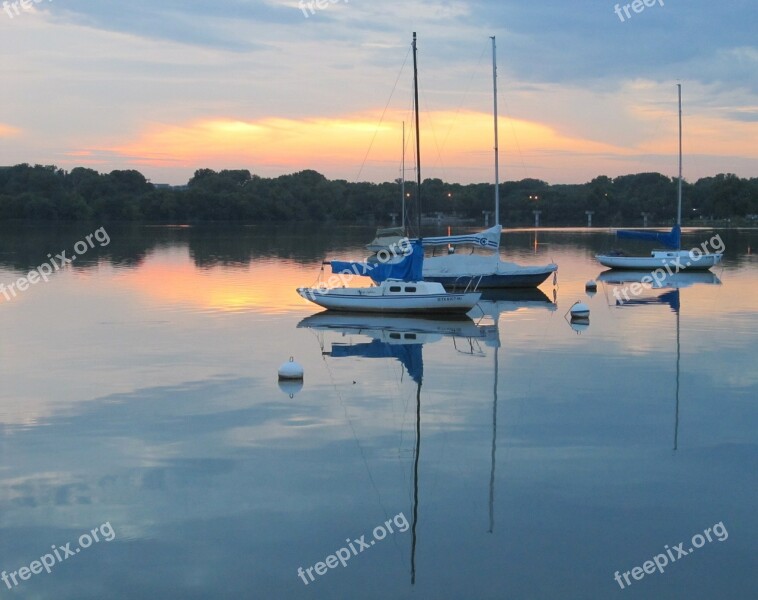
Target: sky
column 278, row 86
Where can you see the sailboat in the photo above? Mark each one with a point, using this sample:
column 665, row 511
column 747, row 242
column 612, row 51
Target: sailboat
column 408, row 293
column 454, row 269
column 675, row 258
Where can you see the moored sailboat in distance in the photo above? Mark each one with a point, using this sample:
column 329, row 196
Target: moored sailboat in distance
column 490, row 272
column 482, row 264
column 487, row 269
column 675, row 258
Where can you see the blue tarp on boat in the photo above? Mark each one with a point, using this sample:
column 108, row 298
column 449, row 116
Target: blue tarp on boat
column 672, row 239
column 405, row 268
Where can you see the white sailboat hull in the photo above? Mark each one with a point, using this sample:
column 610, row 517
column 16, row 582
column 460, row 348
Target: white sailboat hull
column 393, row 297
column 675, row 260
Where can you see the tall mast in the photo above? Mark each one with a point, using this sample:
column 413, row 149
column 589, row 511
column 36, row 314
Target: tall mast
column 494, row 95
column 418, row 140
column 417, row 450
column 679, row 204
column 402, row 183
column 494, row 432
column 678, row 359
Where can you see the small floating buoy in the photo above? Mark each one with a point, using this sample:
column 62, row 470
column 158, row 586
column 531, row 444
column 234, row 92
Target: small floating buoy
column 291, row 370
column 591, row 285
column 579, row 311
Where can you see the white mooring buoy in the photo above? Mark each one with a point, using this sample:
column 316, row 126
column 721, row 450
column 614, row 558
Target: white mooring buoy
column 291, row 370
column 579, row 311
column 591, row 285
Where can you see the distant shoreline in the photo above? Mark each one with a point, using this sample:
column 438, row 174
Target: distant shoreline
column 46, row 193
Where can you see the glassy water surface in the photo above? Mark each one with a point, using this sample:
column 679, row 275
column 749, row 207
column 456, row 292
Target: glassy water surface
column 509, row 455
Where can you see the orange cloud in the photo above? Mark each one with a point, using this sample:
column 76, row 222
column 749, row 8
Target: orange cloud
column 8, row 131
column 702, row 134
column 323, row 142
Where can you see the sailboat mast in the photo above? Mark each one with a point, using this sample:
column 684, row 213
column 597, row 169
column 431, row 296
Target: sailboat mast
column 417, row 450
column 679, row 202
column 418, row 136
column 402, row 183
column 678, row 360
column 494, row 437
column 497, row 160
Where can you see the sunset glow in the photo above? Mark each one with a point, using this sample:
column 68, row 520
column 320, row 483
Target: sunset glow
column 276, row 92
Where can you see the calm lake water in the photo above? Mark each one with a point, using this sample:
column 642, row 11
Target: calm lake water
column 511, row 456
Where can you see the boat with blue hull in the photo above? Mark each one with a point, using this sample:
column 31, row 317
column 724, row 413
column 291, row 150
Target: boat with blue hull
column 457, row 270
column 454, row 269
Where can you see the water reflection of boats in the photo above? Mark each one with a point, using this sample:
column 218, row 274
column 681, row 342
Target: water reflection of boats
column 392, row 336
column 674, row 282
column 401, row 338
column 661, row 280
column 389, row 327
column 494, row 302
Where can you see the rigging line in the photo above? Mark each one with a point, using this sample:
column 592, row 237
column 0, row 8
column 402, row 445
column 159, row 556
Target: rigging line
column 466, row 92
column 430, row 121
column 405, row 218
column 411, row 228
column 515, row 138
column 408, row 138
column 381, row 119
column 392, row 370
column 355, row 436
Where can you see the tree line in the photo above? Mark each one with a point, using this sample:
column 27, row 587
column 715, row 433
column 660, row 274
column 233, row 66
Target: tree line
column 48, row 193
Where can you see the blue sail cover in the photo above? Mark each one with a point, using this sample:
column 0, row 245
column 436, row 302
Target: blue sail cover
column 408, row 268
column 408, row 354
column 672, row 239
